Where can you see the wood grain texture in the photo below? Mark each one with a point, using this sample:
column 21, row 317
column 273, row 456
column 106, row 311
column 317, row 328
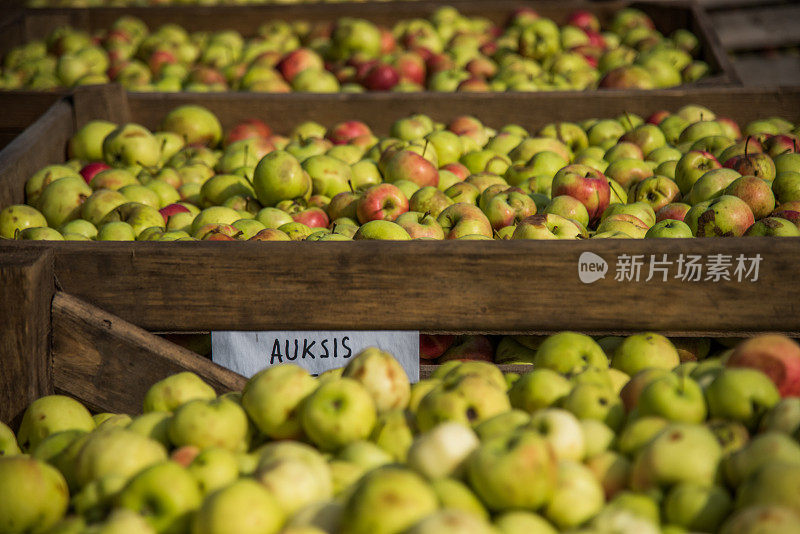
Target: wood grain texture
column 456, row 286
column 95, row 102
column 758, row 27
column 531, row 110
column 26, row 289
column 668, row 17
column 43, row 143
column 109, row 364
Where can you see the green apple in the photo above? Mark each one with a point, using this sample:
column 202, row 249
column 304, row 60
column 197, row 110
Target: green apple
column 138, row 216
column 569, row 353
column 61, row 200
column 206, row 423
column 593, row 401
column 468, row 399
column 244, row 506
column 562, row 430
column 640, row 351
column 597, row 436
column 295, row 479
column 338, row 412
column 131, row 144
column 195, row 124
column 382, row 230
column 611, row 469
column 674, row 398
column 364, row 454
column 669, row 228
column 8, row 441
column 141, row 194
column 50, row 414
column 741, row 394
column 382, row 376
column 154, row 425
column 783, row 417
column 116, row 231
column 87, row 143
column 272, row 397
column 740, row 465
column 762, row 518
column 442, row 450
column 577, row 496
column 502, row 424
column 452, row 521
column 168, row 394
column 15, row 218
column 388, row 499
column 774, row 484
column 523, row 522
column 214, row 468
column 538, row 389
column 116, row 451
column 515, row 471
column 393, row 433
column 279, row 176
column 165, row 494
column 681, row 452
column 455, row 494
column 33, row 495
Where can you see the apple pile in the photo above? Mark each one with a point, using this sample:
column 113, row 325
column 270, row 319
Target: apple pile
column 624, row 440
column 682, row 174
column 447, row 52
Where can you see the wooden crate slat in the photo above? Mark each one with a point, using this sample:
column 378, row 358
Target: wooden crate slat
column 765, row 71
column 762, row 27
column 109, row 364
column 515, row 286
column 26, row 289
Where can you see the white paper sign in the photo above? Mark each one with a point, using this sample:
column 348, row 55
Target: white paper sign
column 249, row 352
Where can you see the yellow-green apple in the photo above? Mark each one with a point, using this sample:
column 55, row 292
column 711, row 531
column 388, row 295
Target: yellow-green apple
column 647, row 137
column 562, row 430
column 762, row 518
column 381, row 230
column 462, row 219
column 657, row 191
column 115, row 231
column 628, row 77
column 569, row 208
column 206, row 423
column 741, row 464
column 8, row 441
column 142, row 195
column 295, row 481
column 443, row 450
column 392, row 432
column 87, row 143
column 452, row 520
column 195, row 124
column 420, row 225
column 447, row 145
column 638, row 433
column 528, row 148
column 388, row 499
column 244, row 506
column 463, row 192
column 629, row 171
column 15, row 218
column 165, row 494
column 61, row 200
column 597, row 435
column 691, row 167
column 758, row 164
column 674, row 398
column 577, row 497
column 154, row 425
column 502, row 423
column 523, row 522
column 168, row 394
column 774, row 484
column 382, row 376
column 710, row 185
column 640, row 351
column 429, row 199
column 623, row 150
column 773, row 226
column 273, row 217
column 131, row 144
column 468, row 399
column 51, row 414
column 115, row 451
column 588, row 400
column 569, row 353
column 138, row 216
column 724, row 216
column 548, row 226
column 681, row 452
column 337, row 413
column 585, row 184
column 279, row 176
column 383, row 202
column 515, row 471
column 365, row 454
column 776, row 355
column 272, row 399
column 33, row 495
column 329, row 176
column 669, row 228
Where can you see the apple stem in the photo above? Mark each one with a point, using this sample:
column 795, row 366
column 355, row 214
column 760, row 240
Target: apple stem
column 350, row 184
column 425, row 149
column 426, row 214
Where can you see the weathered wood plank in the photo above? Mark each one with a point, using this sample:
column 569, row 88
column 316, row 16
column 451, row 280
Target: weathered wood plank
column 26, row 289
column 759, row 27
column 763, row 70
column 511, row 286
column 109, row 364
column 43, row 143
column 426, row 370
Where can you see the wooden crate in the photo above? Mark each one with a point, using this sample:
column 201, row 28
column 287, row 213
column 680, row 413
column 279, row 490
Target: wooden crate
column 505, row 286
column 37, row 23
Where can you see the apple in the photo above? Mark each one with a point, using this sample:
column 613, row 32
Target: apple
column 681, row 452
column 538, row 389
column 165, row 494
column 641, row 351
column 337, row 413
column 295, row 482
column 763, row 449
column 408, row 165
column 758, row 164
column 382, row 230
column 279, row 176
column 509, row 207
column 589, row 400
column 382, row 376
column 443, row 450
column 383, row 202
column 451, row 521
column 168, row 394
column 771, row 485
column 674, row 398
column 724, row 216
column 388, row 499
column 51, row 414
column 657, row 191
column 518, row 470
column 420, row 225
column 676, row 211
column 741, row 394
column 429, row 199
column 18, row 217
column 691, row 167
column 131, row 144
column 460, row 219
column 775, row 355
column 767, row 517
column 33, row 495
column 577, row 497
column 570, row 353
column 756, row 192
column 773, row 226
column 548, row 226
column 562, row 430
column 585, row 184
